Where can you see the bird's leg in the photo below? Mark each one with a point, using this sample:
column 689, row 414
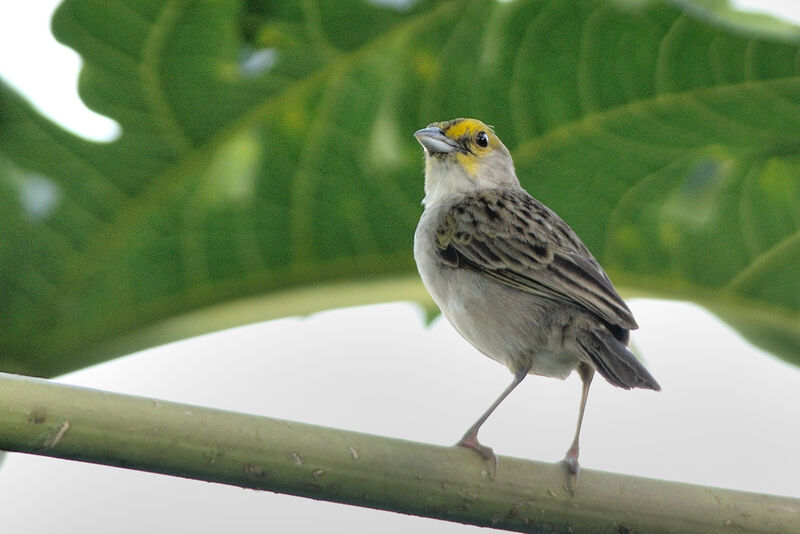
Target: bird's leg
column 470, row 438
column 586, row 373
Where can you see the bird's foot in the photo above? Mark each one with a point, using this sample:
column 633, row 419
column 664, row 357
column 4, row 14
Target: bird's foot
column 571, row 460
column 573, row 465
column 471, row 442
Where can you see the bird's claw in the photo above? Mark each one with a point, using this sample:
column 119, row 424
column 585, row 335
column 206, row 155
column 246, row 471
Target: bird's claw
column 574, row 468
column 471, row 442
column 573, row 465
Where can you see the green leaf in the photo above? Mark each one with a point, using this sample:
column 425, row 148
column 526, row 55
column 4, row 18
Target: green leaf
column 266, row 147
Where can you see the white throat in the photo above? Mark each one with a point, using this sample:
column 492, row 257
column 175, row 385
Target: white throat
column 445, row 179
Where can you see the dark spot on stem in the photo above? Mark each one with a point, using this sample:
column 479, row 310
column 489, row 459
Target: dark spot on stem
column 37, row 416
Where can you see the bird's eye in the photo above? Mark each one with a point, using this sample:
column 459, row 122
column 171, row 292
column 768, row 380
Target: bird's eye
column 482, row 139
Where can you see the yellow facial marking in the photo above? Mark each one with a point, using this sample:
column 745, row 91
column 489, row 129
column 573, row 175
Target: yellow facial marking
column 465, row 127
column 466, row 130
column 475, row 140
column 468, row 162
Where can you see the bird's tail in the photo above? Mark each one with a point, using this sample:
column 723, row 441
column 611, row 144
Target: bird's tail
column 614, row 361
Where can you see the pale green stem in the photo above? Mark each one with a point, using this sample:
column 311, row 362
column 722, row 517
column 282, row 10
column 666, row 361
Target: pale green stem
column 43, row 417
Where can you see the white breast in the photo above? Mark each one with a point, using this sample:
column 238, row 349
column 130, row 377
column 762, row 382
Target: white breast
column 514, row 328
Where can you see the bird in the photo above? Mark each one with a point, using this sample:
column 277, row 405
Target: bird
column 512, row 277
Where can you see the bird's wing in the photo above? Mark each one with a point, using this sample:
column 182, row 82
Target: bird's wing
column 512, row 238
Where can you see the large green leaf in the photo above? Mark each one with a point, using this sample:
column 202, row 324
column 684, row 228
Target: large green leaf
column 266, row 146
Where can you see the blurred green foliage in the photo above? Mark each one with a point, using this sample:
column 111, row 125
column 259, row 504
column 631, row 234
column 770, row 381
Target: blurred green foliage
column 267, row 146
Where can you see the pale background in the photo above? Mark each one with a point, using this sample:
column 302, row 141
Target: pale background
column 727, row 416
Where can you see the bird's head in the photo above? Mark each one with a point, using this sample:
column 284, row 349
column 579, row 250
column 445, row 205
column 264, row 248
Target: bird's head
column 463, row 155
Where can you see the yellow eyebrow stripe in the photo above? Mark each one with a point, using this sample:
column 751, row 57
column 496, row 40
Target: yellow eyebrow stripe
column 465, row 127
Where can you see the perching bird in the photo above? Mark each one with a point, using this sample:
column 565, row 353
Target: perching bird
column 511, row 276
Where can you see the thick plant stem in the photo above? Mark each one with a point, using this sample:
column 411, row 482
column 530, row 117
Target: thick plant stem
column 43, row 417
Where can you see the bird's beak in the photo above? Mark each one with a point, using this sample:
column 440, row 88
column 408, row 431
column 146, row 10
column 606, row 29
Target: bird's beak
column 435, row 141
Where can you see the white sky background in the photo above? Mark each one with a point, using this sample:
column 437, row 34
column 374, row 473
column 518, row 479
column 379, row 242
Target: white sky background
column 727, row 416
